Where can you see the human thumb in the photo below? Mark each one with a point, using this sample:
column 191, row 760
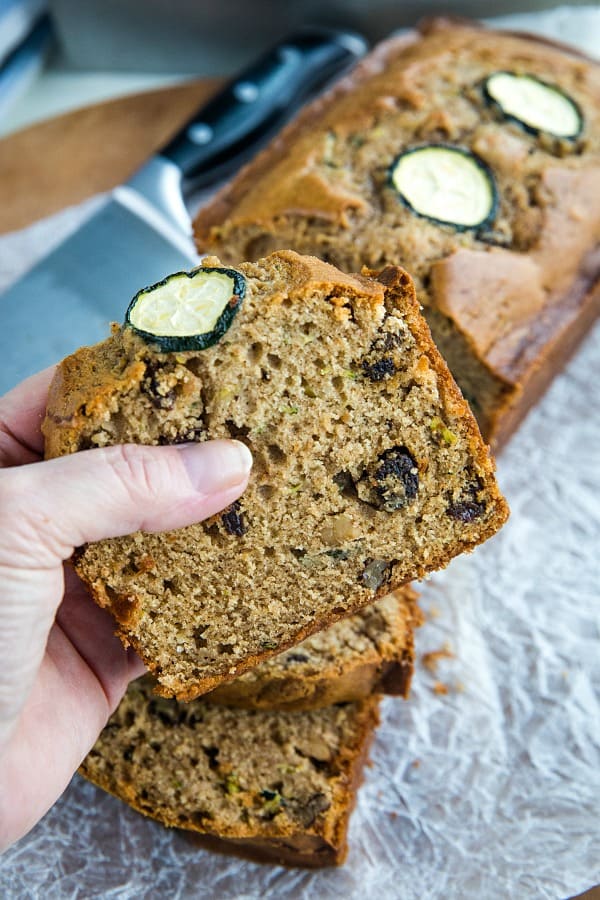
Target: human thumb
column 49, row 508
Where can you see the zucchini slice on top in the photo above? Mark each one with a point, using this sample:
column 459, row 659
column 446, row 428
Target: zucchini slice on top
column 187, row 310
column 448, row 185
column 534, row 104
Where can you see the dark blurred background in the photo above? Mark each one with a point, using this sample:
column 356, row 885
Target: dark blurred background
column 60, row 55
column 203, row 36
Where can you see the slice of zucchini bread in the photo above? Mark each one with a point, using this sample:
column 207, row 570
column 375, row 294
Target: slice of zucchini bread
column 471, row 157
column 278, row 785
column 369, row 469
column 371, row 652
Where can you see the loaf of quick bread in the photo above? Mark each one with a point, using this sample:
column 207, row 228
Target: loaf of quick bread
column 369, row 469
column 468, row 156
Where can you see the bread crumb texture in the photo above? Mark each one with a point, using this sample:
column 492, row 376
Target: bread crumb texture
column 369, row 652
column 369, row 470
column 279, row 785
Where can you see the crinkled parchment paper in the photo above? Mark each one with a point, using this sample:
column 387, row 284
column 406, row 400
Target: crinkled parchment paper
column 490, row 790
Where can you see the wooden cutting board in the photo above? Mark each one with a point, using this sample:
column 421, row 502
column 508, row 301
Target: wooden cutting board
column 66, row 159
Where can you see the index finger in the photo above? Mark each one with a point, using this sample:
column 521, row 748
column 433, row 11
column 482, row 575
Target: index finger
column 22, row 411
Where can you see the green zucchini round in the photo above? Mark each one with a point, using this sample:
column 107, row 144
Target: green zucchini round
column 536, row 105
column 446, row 184
column 187, row 310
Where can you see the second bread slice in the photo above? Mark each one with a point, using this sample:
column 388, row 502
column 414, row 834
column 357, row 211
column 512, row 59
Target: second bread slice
column 371, row 652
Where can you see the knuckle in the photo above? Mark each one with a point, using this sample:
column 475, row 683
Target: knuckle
column 28, row 530
column 144, row 474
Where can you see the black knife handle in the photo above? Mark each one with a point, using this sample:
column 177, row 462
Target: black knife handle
column 260, row 99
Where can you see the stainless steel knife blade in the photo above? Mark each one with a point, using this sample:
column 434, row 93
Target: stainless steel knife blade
column 70, row 297
column 143, row 232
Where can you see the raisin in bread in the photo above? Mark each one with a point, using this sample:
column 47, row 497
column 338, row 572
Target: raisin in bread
column 280, row 786
column 369, row 469
column 507, row 298
column 370, row 652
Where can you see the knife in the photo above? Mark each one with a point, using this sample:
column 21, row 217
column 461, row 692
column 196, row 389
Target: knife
column 143, row 232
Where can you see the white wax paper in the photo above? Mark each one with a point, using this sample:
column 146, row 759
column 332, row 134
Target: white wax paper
column 489, row 791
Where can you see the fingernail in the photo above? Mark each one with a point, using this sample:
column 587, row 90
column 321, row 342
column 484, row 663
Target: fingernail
column 216, row 465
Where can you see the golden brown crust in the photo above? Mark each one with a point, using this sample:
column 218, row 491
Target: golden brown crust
column 557, row 352
column 439, row 23
column 300, row 851
column 83, row 384
column 550, row 208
